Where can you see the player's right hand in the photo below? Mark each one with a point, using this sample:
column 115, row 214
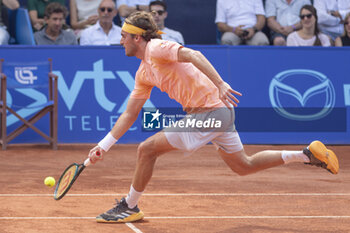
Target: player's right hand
column 96, row 154
column 226, row 94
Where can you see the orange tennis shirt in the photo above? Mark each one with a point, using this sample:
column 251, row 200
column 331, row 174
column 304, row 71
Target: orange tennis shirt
column 181, row 81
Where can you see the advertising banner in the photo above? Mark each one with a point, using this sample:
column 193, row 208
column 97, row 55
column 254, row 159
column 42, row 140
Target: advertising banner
column 290, row 95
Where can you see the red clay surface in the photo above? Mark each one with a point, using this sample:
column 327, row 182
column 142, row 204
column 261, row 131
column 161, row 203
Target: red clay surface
column 186, row 194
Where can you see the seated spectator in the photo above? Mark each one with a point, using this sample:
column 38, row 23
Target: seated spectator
column 345, row 39
column 283, row 18
column 331, row 16
column 158, row 9
column 52, row 33
column 4, row 35
column 126, row 7
column 104, row 32
column 241, row 22
column 83, row 13
column 309, row 34
column 36, row 10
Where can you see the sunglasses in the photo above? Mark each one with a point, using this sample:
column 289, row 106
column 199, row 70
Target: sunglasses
column 346, row 23
column 103, row 9
column 307, row 16
column 160, row 12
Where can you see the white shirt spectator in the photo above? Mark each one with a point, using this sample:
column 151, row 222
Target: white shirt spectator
column 239, row 12
column 294, row 39
column 286, row 14
column 95, row 35
column 328, row 23
column 173, row 35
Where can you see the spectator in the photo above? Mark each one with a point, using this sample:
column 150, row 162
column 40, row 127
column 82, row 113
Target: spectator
column 159, row 12
column 4, row 35
column 241, row 22
column 126, row 7
column 36, row 10
column 345, row 39
column 52, row 33
column 283, row 18
column 83, row 13
column 309, row 34
column 331, row 14
column 104, row 32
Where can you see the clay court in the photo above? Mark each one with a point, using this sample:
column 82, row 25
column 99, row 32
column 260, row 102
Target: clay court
column 187, row 194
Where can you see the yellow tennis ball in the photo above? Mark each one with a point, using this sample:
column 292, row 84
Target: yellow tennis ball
column 49, row 181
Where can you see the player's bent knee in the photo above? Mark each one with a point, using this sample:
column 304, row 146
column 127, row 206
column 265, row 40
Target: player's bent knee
column 242, row 168
column 242, row 172
column 239, row 162
column 145, row 151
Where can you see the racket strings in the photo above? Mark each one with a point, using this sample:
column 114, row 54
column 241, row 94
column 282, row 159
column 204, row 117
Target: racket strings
column 66, row 180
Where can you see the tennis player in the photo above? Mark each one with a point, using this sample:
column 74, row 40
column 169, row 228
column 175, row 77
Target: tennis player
column 189, row 78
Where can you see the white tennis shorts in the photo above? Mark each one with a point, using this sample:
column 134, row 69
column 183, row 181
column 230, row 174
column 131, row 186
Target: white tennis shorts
column 189, row 140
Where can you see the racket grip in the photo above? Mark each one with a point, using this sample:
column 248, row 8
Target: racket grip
column 87, row 161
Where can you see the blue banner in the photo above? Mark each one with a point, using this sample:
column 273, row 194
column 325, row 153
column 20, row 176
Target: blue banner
column 290, row 95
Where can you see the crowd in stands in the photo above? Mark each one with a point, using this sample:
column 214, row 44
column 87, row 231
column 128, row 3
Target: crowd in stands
column 36, row 10
column 104, row 32
column 4, row 35
column 83, row 13
column 52, row 33
column 289, row 22
column 283, row 19
column 239, row 22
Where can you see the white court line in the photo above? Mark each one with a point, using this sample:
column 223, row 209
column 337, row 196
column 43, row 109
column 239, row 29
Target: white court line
column 181, row 194
column 191, row 217
column 132, row 227
column 247, row 217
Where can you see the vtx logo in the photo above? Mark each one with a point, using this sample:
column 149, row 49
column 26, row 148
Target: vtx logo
column 97, row 75
column 279, row 87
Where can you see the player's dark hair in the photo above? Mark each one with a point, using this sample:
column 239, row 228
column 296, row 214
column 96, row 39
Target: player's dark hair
column 144, row 20
column 313, row 11
column 55, row 7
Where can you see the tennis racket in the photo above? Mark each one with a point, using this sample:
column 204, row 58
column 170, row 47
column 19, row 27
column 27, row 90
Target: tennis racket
column 69, row 176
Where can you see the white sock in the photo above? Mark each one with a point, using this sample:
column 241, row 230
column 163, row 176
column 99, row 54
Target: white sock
column 133, row 197
column 294, row 156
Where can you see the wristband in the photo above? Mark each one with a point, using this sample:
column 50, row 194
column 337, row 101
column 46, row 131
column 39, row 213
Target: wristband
column 294, row 28
column 233, row 29
column 107, row 142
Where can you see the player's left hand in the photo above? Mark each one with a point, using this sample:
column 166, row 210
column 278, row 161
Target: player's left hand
column 226, row 94
column 96, row 154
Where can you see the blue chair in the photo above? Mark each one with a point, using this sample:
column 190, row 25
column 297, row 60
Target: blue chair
column 11, row 26
column 36, row 88
column 23, row 28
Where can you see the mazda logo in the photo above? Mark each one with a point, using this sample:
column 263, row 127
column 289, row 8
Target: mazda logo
column 285, row 84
